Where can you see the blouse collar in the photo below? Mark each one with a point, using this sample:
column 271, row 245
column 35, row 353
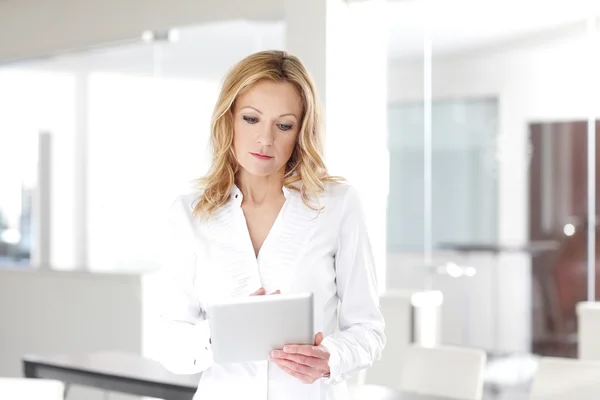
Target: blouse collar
column 236, row 194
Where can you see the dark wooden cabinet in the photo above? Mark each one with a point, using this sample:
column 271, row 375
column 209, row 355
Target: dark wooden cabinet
column 558, row 196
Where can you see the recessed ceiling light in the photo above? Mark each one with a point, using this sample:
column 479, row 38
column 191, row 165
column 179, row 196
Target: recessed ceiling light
column 172, row 35
column 148, row 36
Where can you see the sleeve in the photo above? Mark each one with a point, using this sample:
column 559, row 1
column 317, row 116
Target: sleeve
column 360, row 339
column 184, row 330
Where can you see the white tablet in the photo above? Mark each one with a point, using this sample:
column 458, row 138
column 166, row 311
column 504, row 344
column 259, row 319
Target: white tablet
column 248, row 329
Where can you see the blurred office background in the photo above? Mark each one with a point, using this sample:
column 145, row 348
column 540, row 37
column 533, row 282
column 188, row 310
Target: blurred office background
column 468, row 126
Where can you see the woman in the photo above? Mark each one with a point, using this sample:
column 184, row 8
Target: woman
column 270, row 219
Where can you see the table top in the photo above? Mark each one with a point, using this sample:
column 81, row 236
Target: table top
column 134, row 366
column 533, row 248
column 124, row 365
column 373, row 392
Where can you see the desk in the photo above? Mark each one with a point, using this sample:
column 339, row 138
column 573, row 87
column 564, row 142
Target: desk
column 115, row 372
column 136, row 375
column 532, row 248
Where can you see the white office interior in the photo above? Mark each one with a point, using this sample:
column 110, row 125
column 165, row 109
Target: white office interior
column 468, row 127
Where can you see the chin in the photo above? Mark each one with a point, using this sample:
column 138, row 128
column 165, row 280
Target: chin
column 260, row 171
column 257, row 170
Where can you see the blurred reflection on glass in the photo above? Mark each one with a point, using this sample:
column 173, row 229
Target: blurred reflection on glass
column 559, row 209
column 32, row 100
column 464, row 181
column 129, row 127
column 507, row 91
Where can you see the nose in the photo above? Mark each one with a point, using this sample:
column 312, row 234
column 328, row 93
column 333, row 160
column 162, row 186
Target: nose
column 266, row 136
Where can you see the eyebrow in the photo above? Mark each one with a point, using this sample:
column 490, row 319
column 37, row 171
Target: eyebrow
column 260, row 112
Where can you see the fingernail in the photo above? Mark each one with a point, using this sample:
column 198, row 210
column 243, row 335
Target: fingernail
column 286, row 349
column 275, row 354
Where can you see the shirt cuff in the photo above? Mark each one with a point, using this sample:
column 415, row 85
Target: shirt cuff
column 203, row 357
column 335, row 364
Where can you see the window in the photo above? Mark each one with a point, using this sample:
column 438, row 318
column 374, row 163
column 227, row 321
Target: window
column 32, row 101
column 463, row 173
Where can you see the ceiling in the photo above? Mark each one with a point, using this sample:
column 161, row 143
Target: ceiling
column 455, row 26
column 195, row 53
column 462, row 25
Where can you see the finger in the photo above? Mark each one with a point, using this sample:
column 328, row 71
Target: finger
column 301, row 371
column 259, row 292
column 319, row 338
column 310, row 351
column 294, row 366
column 304, row 378
column 276, row 292
column 312, row 362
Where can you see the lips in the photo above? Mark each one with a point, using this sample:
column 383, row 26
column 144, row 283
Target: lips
column 261, row 156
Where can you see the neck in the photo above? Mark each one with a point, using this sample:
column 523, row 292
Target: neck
column 258, row 190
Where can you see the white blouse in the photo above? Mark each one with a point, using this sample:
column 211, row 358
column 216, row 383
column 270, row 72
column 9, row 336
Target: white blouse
column 326, row 253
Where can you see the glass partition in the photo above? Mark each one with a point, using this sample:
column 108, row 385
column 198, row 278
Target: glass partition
column 492, row 125
column 492, row 144
column 33, row 102
column 129, row 127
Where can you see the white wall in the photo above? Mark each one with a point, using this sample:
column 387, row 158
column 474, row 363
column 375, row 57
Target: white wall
column 467, row 316
column 67, row 312
column 541, row 79
column 145, row 148
column 34, row 28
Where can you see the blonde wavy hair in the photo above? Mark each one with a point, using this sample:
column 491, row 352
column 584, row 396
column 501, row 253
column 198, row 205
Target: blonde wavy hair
column 305, row 171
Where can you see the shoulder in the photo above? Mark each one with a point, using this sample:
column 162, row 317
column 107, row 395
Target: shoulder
column 341, row 206
column 183, row 205
column 339, row 194
column 339, row 199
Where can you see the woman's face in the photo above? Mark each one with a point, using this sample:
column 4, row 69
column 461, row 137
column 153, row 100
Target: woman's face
column 267, row 119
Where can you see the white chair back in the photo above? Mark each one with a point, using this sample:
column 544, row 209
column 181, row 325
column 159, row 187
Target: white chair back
column 396, row 307
column 562, row 378
column 444, row 371
column 588, row 314
column 30, row 389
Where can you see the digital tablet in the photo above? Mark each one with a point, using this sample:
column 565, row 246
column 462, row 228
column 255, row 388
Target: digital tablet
column 248, row 329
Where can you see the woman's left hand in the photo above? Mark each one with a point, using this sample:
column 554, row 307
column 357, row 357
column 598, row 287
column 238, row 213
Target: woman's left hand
column 307, row 363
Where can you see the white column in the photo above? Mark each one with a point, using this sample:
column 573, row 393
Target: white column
column 42, row 204
column 81, row 171
column 344, row 47
column 305, row 36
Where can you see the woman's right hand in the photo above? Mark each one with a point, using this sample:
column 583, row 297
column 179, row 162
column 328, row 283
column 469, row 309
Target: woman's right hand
column 262, row 292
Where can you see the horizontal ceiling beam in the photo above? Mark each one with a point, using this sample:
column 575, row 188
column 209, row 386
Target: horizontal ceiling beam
column 41, row 28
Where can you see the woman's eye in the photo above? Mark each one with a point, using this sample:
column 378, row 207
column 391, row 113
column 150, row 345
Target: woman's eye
column 250, row 120
column 285, row 127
